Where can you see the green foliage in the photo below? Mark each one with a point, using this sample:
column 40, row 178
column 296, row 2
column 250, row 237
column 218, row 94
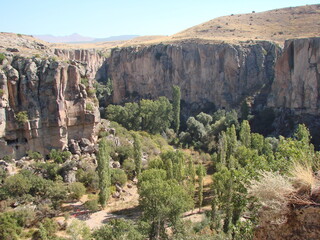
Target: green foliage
column 1, row 93
column 103, row 172
column 117, row 229
column 85, row 82
column 77, row 190
column 245, row 133
column 17, row 185
column 103, row 91
column 162, row 201
column 89, row 107
column 59, row 156
column 22, row 117
column 48, row 170
column 91, row 93
column 34, row 155
column 2, row 57
column 148, row 115
column 9, row 227
column 89, row 178
column 78, row 230
column 118, row 176
column 129, row 167
column 92, row 205
column 174, row 164
column 176, row 98
column 137, row 153
column 201, row 172
column 47, row 229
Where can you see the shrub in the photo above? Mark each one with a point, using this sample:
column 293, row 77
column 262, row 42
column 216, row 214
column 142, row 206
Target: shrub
column 1, row 90
column 77, row 190
column 78, row 230
column 34, row 155
column 85, row 81
column 118, row 176
column 89, row 178
column 91, row 93
column 129, row 167
column 17, row 185
column 9, row 227
column 2, row 57
column 89, row 107
column 59, row 156
column 92, row 205
column 22, row 117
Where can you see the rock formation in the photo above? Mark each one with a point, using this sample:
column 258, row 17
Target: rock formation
column 43, row 105
column 222, row 74
column 297, row 77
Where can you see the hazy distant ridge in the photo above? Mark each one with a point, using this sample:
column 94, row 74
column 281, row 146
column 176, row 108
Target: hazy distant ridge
column 77, row 38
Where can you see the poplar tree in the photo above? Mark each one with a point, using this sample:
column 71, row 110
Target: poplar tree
column 176, row 97
column 137, row 153
column 103, row 172
column 245, row 134
column 200, row 172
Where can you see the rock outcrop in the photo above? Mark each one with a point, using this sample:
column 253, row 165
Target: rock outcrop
column 92, row 62
column 297, row 77
column 303, row 223
column 222, row 74
column 43, row 106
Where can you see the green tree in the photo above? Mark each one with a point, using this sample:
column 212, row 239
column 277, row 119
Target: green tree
column 245, row 133
column 137, row 153
column 79, row 230
column 201, row 172
column 118, row 229
column 162, row 202
column 176, row 98
column 103, row 172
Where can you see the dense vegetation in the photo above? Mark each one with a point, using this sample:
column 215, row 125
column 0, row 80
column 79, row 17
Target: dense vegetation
column 216, row 163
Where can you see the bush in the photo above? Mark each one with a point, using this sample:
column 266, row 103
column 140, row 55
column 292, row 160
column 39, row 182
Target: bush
column 22, row 117
column 9, row 227
column 77, row 190
column 59, row 156
column 17, row 185
column 34, row 155
column 89, row 178
column 118, row 176
column 91, row 93
column 92, row 205
column 1, row 90
column 89, row 107
column 2, row 57
column 129, row 167
column 78, row 230
column 85, row 81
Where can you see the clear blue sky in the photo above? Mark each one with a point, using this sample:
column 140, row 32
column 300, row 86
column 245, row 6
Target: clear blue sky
column 103, row 18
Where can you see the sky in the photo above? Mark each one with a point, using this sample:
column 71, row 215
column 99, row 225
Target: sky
column 104, row 18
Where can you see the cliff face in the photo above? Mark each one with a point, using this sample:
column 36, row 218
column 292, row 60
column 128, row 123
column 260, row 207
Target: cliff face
column 297, row 77
column 56, row 106
column 93, row 61
column 303, row 223
column 222, row 74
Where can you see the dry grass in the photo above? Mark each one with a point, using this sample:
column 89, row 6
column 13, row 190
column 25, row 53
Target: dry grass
column 303, row 178
column 272, row 191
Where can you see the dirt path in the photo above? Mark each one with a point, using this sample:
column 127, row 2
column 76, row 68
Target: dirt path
column 124, row 207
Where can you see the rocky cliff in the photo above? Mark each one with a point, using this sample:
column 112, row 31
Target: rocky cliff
column 297, row 77
column 43, row 105
column 222, row 74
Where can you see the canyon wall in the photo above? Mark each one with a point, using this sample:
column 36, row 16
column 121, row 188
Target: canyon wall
column 297, row 77
column 222, row 74
column 43, row 105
